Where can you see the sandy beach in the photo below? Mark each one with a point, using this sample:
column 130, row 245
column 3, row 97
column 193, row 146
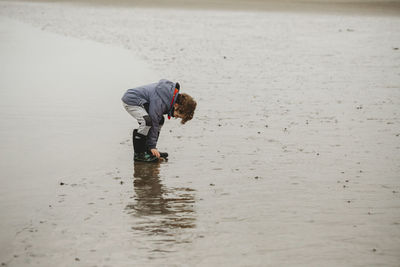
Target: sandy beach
column 292, row 159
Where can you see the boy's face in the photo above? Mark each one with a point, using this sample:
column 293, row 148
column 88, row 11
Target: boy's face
column 177, row 114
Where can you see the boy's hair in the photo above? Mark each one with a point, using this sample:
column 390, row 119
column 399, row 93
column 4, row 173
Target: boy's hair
column 187, row 105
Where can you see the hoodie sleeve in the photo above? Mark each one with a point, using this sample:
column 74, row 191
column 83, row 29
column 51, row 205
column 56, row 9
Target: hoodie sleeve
column 156, row 114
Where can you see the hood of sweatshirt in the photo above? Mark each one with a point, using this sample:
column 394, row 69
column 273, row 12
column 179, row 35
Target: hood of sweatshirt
column 167, row 96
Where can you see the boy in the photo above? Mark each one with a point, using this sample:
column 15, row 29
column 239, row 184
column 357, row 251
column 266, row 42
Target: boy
column 148, row 104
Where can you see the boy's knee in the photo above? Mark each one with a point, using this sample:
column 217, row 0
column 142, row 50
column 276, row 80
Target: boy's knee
column 148, row 120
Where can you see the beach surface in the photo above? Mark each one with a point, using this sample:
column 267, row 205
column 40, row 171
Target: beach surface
column 292, row 158
column 359, row 7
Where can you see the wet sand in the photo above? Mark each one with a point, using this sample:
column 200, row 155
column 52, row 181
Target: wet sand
column 292, row 158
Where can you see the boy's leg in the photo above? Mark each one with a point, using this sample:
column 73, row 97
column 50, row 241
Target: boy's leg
column 142, row 117
column 139, row 136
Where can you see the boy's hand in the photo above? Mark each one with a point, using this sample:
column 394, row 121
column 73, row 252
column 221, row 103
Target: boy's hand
column 155, row 152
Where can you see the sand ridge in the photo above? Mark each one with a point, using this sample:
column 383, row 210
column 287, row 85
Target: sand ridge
column 366, row 7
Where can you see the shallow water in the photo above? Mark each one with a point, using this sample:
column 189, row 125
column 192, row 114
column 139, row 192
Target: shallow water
column 292, row 158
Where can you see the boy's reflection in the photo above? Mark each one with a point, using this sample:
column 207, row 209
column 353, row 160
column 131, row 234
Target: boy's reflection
column 160, row 210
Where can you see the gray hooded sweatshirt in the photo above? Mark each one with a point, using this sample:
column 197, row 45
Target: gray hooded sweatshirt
column 159, row 97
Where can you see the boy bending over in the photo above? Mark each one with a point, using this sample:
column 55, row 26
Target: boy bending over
column 148, row 104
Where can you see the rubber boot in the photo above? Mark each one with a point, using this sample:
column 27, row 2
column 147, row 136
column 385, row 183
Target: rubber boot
column 164, row 155
column 139, row 147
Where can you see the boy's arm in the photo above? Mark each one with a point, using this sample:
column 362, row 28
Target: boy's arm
column 155, row 113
